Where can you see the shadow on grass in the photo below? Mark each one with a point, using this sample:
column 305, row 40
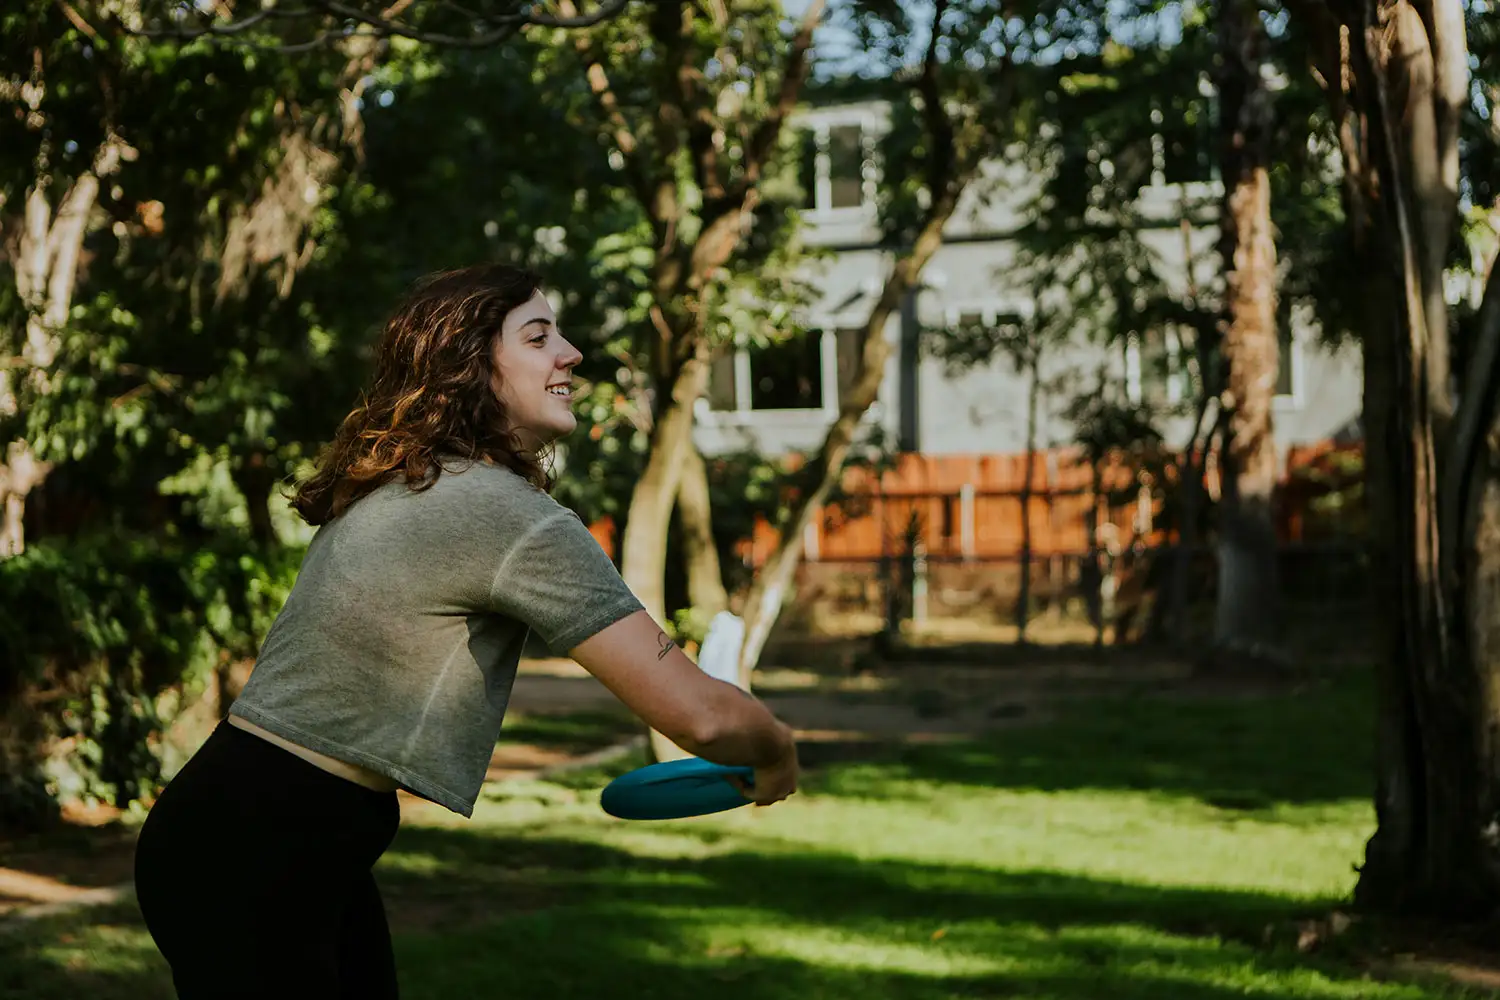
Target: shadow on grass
column 1314, row 745
column 103, row 953
column 560, row 918
column 756, row 926
column 824, row 888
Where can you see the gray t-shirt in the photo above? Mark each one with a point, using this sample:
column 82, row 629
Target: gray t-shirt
column 398, row 645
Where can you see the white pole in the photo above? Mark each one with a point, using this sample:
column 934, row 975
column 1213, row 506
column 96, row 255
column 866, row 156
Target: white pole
column 966, row 521
column 919, row 582
column 742, row 385
column 828, row 356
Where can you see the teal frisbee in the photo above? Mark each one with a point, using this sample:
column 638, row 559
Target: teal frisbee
column 675, row 789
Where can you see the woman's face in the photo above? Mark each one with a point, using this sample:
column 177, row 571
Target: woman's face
column 534, row 374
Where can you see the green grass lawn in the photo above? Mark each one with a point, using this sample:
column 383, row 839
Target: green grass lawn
column 1138, row 848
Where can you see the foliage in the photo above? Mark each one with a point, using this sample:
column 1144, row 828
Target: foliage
column 94, row 632
column 1333, row 488
column 733, row 67
column 188, row 381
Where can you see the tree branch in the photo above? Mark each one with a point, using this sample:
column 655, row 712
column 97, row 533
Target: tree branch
column 1477, row 410
column 763, row 139
column 705, row 132
column 939, row 125
column 491, row 29
column 722, row 219
column 670, row 25
column 617, row 127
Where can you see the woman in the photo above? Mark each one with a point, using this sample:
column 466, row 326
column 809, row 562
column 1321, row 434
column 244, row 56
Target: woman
column 437, row 550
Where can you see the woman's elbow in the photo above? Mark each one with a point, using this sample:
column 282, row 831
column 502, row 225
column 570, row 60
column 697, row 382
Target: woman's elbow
column 701, row 733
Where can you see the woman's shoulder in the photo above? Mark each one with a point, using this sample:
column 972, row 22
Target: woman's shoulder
column 492, row 484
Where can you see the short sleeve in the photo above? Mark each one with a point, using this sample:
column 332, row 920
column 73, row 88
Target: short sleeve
column 557, row 580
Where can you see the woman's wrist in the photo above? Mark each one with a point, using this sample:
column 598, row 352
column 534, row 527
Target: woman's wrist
column 782, row 745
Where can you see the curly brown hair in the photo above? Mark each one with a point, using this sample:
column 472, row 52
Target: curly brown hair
column 432, row 396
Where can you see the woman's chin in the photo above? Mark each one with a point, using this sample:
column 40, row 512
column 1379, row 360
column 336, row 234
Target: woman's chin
column 555, row 431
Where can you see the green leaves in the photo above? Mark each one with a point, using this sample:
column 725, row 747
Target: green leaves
column 111, row 623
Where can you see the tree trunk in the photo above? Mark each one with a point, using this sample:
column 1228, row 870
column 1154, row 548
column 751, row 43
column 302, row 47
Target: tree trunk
column 1247, row 616
column 1432, row 473
column 643, row 552
column 949, row 167
column 254, row 478
column 705, row 578
column 768, row 593
column 46, row 268
column 643, row 556
column 1033, row 392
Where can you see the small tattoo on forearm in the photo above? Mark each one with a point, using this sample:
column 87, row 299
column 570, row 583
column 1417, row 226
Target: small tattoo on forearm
column 667, row 645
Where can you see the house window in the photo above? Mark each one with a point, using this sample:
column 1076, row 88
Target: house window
column 838, row 166
column 1286, row 363
column 1156, row 368
column 983, row 336
column 805, row 372
column 1291, row 315
column 788, row 375
column 721, row 383
column 846, row 166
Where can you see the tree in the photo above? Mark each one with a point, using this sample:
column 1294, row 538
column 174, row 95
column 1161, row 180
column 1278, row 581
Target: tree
column 682, row 100
column 1398, row 81
column 1247, row 617
column 57, row 202
column 956, row 118
column 1114, row 184
column 220, row 327
column 217, row 210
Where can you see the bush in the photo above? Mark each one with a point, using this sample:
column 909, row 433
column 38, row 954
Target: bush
column 92, row 634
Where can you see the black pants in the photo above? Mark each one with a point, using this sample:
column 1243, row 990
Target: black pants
column 253, row 873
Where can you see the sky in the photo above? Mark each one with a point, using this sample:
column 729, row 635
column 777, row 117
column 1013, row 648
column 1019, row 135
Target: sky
column 839, row 54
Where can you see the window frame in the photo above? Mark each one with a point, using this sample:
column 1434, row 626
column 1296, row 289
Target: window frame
column 873, row 121
column 1135, row 386
column 827, row 371
column 1292, row 348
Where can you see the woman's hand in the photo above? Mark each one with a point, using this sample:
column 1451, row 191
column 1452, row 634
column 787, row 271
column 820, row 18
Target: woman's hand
column 774, row 782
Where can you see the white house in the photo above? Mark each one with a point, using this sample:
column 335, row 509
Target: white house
column 784, row 398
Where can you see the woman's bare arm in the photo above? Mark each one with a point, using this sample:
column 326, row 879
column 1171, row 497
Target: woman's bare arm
column 707, row 717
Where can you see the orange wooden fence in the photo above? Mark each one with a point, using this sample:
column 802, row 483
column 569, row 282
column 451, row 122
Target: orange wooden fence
column 971, row 507
column 965, row 507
